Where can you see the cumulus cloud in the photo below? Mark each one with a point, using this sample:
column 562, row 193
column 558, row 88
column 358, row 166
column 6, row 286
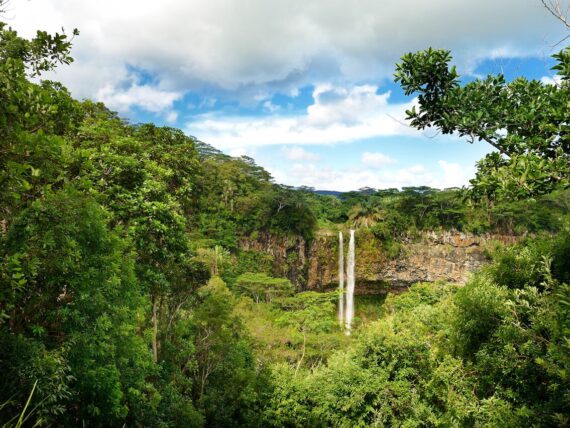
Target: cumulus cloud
column 329, row 178
column 376, row 159
column 299, row 154
column 349, row 106
column 239, row 151
column 338, row 114
column 147, row 97
column 281, row 44
column 455, row 175
column 554, row 80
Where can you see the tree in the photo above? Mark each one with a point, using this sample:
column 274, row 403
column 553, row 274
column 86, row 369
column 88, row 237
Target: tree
column 556, row 9
column 366, row 214
column 309, row 312
column 263, row 287
column 215, row 258
column 32, row 118
column 527, row 122
column 40, row 54
column 289, row 211
column 71, row 295
column 97, row 221
column 227, row 384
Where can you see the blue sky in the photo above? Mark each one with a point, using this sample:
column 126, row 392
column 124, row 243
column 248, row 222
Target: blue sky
column 303, row 87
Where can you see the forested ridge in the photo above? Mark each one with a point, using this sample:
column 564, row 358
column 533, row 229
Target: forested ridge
column 126, row 298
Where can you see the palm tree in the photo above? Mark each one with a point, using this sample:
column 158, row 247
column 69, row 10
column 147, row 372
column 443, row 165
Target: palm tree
column 366, row 214
column 215, row 258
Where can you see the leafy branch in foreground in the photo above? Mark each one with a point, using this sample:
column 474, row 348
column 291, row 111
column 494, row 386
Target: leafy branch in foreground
column 526, row 121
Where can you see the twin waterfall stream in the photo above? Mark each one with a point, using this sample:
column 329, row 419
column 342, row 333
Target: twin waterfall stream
column 346, row 311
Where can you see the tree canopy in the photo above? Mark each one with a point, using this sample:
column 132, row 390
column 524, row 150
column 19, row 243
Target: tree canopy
column 143, row 273
column 526, row 121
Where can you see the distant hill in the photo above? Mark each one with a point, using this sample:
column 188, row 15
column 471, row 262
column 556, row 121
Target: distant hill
column 327, row 192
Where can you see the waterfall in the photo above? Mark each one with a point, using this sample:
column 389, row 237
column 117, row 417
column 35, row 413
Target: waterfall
column 350, row 283
column 341, row 279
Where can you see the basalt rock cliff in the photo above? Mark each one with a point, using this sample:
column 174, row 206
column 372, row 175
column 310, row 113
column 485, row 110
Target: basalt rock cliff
column 431, row 256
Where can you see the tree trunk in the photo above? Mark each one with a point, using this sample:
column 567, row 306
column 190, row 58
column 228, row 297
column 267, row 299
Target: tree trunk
column 303, row 354
column 154, row 330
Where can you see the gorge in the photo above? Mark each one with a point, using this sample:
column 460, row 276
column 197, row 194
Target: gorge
column 149, row 279
column 431, row 256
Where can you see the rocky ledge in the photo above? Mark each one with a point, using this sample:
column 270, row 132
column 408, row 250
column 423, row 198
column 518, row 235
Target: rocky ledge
column 431, row 256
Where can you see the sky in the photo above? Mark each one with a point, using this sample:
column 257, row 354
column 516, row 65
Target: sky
column 305, row 87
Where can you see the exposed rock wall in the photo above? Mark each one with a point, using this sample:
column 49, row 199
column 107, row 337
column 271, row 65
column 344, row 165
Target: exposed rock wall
column 448, row 256
column 289, row 255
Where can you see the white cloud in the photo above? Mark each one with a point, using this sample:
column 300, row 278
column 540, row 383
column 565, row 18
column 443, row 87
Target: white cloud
column 328, row 178
column 270, row 107
column 548, row 80
column 237, row 152
column 281, row 44
column 295, row 153
column 376, row 159
column 338, row 114
column 349, row 106
column 147, row 97
column 172, row 116
column 455, row 175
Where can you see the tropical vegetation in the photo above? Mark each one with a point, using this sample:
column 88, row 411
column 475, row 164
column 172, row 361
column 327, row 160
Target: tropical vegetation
column 135, row 290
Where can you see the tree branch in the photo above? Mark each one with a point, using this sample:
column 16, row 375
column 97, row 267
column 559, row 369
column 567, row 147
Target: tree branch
column 554, row 8
column 491, row 142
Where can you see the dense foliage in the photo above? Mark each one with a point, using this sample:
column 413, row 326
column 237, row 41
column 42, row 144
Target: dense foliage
column 129, row 298
column 108, row 234
column 493, row 353
column 526, row 121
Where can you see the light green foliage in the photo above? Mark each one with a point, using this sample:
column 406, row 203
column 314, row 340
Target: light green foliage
column 279, row 339
column 249, row 261
column 79, row 296
column 368, row 308
column 109, row 234
column 378, row 381
column 290, row 211
column 309, row 311
column 96, row 275
column 273, row 342
column 259, row 286
column 238, row 198
column 300, row 330
column 228, row 387
column 479, row 355
column 310, row 314
column 366, row 214
column 32, row 118
column 392, row 214
column 478, row 311
column 216, row 258
column 327, row 208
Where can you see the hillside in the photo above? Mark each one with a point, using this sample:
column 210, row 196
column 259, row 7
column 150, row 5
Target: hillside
column 149, row 279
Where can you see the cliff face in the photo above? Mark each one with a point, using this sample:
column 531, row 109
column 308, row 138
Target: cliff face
column 448, row 256
column 289, row 255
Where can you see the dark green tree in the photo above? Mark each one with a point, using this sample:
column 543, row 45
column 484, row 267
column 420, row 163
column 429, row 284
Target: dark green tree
column 527, row 122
